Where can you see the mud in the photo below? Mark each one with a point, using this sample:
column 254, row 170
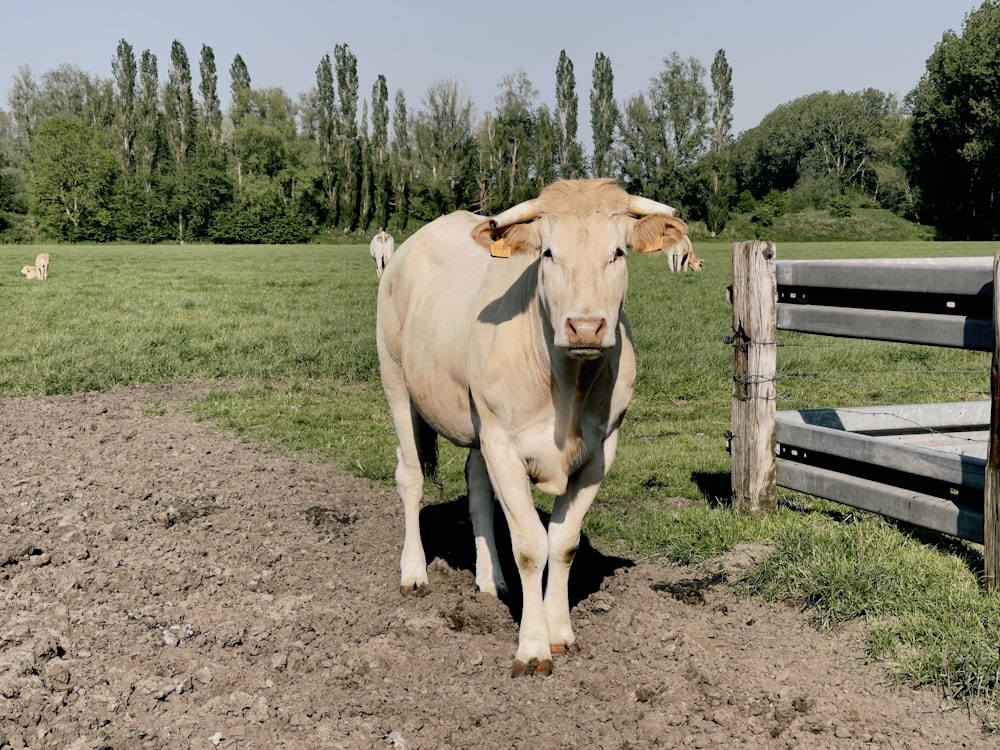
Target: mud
column 167, row 585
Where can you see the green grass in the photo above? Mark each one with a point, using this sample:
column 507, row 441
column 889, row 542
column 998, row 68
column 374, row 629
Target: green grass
column 291, row 332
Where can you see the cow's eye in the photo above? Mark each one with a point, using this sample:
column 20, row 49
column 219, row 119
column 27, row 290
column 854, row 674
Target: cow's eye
column 619, row 253
column 547, row 253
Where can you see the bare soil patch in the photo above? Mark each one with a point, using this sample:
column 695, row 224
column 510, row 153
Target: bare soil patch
column 167, row 585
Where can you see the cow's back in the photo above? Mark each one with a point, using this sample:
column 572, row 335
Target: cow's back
column 428, row 300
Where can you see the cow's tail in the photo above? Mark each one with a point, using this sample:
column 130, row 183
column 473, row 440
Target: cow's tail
column 427, row 447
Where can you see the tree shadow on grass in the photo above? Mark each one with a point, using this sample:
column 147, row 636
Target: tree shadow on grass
column 446, row 530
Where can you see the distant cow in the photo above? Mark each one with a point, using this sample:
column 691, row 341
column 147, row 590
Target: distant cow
column 381, row 248
column 30, row 272
column 42, row 264
column 681, row 256
column 508, row 337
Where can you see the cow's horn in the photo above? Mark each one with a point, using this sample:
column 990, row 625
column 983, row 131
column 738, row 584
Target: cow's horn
column 644, row 206
column 515, row 214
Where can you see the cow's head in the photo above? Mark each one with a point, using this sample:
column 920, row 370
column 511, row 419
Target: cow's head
column 582, row 229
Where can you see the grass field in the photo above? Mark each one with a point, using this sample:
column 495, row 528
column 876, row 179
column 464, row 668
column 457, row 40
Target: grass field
column 293, row 328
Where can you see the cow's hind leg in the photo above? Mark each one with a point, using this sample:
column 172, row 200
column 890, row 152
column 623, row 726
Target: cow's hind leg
column 489, row 576
column 415, row 454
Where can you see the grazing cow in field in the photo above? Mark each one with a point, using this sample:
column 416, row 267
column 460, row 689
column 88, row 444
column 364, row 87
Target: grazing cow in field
column 30, row 272
column 507, row 336
column 42, row 264
column 381, row 249
column 681, row 256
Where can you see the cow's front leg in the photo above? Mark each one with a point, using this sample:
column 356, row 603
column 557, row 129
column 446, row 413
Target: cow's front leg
column 529, row 542
column 564, row 540
column 489, row 576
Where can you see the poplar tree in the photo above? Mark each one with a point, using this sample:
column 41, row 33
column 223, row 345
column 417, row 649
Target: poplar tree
column 717, row 207
column 326, row 140
column 239, row 88
column 346, row 65
column 366, row 192
column 401, row 160
column 240, row 91
column 603, row 116
column 178, row 101
column 148, row 142
column 125, row 72
column 380, row 151
column 211, row 108
column 570, row 154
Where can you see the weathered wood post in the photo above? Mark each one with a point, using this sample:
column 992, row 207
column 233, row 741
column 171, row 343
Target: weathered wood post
column 991, row 491
column 755, row 331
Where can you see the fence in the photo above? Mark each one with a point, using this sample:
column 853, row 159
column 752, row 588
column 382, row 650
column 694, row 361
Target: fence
column 931, row 465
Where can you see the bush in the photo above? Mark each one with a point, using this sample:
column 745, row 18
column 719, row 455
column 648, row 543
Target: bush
column 776, row 201
column 746, row 203
column 840, row 207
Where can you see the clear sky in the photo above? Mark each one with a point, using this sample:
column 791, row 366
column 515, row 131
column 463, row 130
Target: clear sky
column 778, row 50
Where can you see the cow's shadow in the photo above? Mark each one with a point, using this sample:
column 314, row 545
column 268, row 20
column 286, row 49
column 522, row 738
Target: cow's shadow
column 446, row 530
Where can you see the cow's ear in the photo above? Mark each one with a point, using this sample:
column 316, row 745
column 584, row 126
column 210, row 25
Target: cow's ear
column 502, row 242
column 651, row 234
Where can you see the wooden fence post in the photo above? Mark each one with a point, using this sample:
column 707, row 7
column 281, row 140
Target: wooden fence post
column 755, row 331
column 991, row 491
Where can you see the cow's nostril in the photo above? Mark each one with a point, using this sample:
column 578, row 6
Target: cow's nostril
column 585, row 332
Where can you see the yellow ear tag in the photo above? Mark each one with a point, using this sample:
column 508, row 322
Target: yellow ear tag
column 500, row 248
column 655, row 244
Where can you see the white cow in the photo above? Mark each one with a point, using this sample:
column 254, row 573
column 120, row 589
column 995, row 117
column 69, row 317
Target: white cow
column 681, row 256
column 381, row 249
column 507, row 336
column 30, row 272
column 42, row 264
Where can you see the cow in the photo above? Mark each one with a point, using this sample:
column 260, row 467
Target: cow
column 507, row 336
column 42, row 264
column 30, row 272
column 681, row 256
column 381, row 249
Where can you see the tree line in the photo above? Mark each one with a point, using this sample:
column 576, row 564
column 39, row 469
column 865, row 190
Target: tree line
column 140, row 158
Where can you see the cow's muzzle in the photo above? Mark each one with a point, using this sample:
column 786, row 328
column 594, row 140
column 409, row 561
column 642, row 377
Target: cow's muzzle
column 585, row 337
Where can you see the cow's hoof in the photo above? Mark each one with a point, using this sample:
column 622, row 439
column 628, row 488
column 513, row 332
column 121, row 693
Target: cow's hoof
column 417, row 589
column 534, row 667
column 558, row 649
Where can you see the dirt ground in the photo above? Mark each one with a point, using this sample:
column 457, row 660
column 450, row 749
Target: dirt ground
column 166, row 585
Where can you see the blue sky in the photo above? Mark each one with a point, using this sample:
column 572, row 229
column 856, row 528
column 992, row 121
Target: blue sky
column 779, row 50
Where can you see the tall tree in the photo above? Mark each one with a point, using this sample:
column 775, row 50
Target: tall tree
column 71, row 187
column 603, row 115
column 401, row 160
column 514, row 141
column 567, row 109
column 641, row 156
column 180, row 121
column 211, row 107
column 379, row 145
column 125, row 71
column 954, row 148
column 717, row 204
column 148, row 144
column 239, row 89
column 366, row 199
column 443, row 151
column 545, row 147
column 346, row 65
column 326, row 136
column 24, row 110
column 124, row 133
column 679, row 101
